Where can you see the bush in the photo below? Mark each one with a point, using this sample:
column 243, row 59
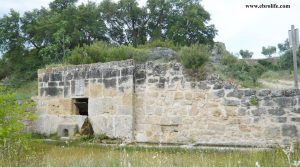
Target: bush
column 254, row 101
column 4, row 69
column 103, row 52
column 129, row 52
column 268, row 64
column 195, row 56
column 13, row 141
column 246, row 74
column 227, row 58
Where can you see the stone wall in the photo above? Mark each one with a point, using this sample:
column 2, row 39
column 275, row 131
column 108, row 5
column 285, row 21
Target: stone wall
column 164, row 103
column 108, row 87
column 172, row 107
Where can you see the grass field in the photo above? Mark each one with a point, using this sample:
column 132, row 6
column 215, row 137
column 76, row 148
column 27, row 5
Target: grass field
column 78, row 155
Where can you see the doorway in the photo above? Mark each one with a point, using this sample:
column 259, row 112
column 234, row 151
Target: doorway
column 81, row 105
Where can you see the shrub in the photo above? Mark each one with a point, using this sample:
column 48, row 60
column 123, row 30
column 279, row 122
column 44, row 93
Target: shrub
column 268, row 64
column 246, row 74
column 254, row 101
column 13, row 141
column 227, row 58
column 103, row 52
column 195, row 56
column 129, row 52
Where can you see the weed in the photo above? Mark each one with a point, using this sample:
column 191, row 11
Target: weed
column 253, row 101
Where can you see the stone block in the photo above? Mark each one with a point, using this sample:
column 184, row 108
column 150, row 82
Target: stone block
column 217, row 86
column 236, row 94
column 289, row 130
column 123, row 127
column 250, row 92
column 228, row 102
column 67, row 130
column 56, row 77
column 272, row 132
column 111, row 73
column 178, row 96
column 268, row 103
column 242, row 112
column 295, row 119
column 263, row 93
column 102, row 125
column 51, row 91
column 123, row 79
column 188, row 96
column 228, row 86
column 296, row 110
column 244, row 128
column 52, row 84
column 279, row 119
column 203, row 86
column 285, row 101
column 276, row 111
column 152, row 80
column 277, row 93
column 161, row 82
column 290, row 92
column 126, row 72
column 124, row 110
column 258, row 111
column 159, row 70
column 110, row 83
column 245, row 102
column 46, row 77
column 96, row 90
column 219, row 93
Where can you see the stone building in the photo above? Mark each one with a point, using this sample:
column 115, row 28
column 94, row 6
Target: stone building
column 163, row 103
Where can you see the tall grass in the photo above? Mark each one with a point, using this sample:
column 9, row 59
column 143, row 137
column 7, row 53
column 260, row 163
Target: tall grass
column 94, row 155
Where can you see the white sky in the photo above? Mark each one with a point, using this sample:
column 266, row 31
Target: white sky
column 238, row 27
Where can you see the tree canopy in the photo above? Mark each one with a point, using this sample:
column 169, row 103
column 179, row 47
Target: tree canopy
column 268, row 51
column 246, row 54
column 48, row 35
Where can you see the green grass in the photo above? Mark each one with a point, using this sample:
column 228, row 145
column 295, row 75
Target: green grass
column 68, row 154
column 27, row 90
column 283, row 75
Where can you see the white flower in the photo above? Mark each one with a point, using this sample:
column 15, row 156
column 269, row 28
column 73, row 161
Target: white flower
column 296, row 163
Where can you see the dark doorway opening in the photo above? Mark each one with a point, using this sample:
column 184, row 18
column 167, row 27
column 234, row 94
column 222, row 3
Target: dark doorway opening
column 65, row 133
column 82, row 106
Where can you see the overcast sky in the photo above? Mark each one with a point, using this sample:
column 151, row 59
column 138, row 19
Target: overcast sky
column 238, row 27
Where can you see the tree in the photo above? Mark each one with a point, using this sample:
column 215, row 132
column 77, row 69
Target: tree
column 159, row 10
column 246, row 54
column 90, row 24
column 286, row 59
column 126, row 20
column 283, row 46
column 188, row 23
column 59, row 5
column 268, row 51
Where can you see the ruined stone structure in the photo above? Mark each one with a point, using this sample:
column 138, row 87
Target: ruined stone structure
column 163, row 103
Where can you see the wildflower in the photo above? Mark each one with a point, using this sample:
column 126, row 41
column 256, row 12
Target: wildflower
column 257, row 164
column 296, row 163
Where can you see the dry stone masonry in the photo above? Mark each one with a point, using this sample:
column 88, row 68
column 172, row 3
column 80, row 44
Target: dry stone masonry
column 164, row 103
